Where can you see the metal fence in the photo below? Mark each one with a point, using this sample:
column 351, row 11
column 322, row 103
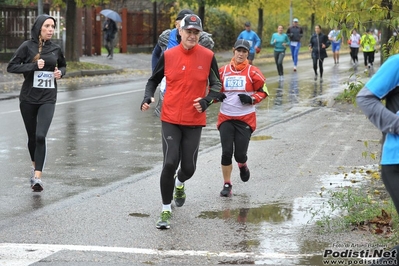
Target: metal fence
column 16, row 24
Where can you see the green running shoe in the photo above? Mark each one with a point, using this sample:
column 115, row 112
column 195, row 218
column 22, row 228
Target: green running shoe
column 163, row 222
column 179, row 196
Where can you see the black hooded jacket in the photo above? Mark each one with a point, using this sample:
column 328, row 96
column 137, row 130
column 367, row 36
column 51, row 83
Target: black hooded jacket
column 316, row 42
column 22, row 63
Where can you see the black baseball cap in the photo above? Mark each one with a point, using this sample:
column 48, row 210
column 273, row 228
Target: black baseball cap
column 191, row 22
column 183, row 13
column 242, row 44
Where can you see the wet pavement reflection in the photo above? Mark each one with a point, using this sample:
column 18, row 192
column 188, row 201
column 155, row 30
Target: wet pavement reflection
column 279, row 230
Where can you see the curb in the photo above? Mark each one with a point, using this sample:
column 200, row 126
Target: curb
column 86, row 73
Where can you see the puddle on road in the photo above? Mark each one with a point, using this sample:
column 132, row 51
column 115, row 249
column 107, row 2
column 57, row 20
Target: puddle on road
column 276, row 230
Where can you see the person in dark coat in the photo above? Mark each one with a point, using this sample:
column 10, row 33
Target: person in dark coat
column 110, row 29
column 318, row 45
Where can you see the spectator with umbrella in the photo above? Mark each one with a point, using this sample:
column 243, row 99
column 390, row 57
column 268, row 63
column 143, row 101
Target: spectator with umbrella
column 110, row 29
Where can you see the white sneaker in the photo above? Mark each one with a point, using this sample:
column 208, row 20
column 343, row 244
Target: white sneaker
column 294, row 68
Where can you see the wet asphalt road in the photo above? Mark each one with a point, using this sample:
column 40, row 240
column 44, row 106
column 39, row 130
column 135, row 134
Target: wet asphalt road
column 101, row 197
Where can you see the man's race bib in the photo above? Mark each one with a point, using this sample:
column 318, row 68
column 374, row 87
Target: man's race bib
column 234, row 83
column 293, row 43
column 43, row 80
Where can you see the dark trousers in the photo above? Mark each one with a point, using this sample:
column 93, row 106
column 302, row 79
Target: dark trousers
column 234, row 137
column 278, row 58
column 109, row 45
column 390, row 177
column 368, row 58
column 320, row 62
column 354, row 52
column 180, row 144
column 37, row 119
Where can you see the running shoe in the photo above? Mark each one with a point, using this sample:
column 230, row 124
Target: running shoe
column 226, row 191
column 36, row 184
column 244, row 173
column 179, row 196
column 163, row 222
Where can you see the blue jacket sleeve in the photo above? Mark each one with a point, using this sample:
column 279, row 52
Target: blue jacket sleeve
column 156, row 54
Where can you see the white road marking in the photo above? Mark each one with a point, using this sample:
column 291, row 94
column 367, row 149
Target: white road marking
column 82, row 100
column 13, row 254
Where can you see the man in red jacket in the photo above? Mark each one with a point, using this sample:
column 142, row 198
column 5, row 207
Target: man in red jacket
column 189, row 68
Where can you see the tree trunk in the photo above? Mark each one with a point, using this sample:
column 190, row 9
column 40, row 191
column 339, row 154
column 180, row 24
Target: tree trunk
column 201, row 12
column 71, row 44
column 312, row 23
column 385, row 29
column 260, row 22
column 155, row 23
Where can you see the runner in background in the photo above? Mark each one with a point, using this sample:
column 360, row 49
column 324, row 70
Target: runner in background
column 253, row 39
column 295, row 34
column 335, row 38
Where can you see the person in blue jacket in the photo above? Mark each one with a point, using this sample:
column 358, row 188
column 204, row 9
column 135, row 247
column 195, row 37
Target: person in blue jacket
column 253, row 40
column 280, row 41
column 384, row 85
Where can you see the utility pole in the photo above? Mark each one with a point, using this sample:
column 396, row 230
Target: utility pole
column 290, row 13
column 39, row 7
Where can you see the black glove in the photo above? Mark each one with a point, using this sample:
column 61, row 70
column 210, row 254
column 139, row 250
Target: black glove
column 220, row 97
column 145, row 100
column 245, row 99
column 204, row 104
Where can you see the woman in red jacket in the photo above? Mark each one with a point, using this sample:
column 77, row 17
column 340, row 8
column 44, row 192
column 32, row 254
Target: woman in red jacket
column 244, row 86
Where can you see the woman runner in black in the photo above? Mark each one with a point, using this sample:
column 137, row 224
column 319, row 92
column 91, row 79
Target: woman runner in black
column 42, row 63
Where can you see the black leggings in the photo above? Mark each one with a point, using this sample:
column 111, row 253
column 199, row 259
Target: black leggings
column 180, row 144
column 354, row 52
column 37, row 119
column 234, row 137
column 368, row 58
column 390, row 177
column 278, row 59
column 315, row 60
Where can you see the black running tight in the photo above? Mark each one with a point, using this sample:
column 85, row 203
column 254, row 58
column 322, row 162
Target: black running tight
column 320, row 61
column 180, row 144
column 354, row 52
column 37, row 119
column 390, row 177
column 234, row 137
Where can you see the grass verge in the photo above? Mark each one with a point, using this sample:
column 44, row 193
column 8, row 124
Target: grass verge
column 78, row 66
column 364, row 207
